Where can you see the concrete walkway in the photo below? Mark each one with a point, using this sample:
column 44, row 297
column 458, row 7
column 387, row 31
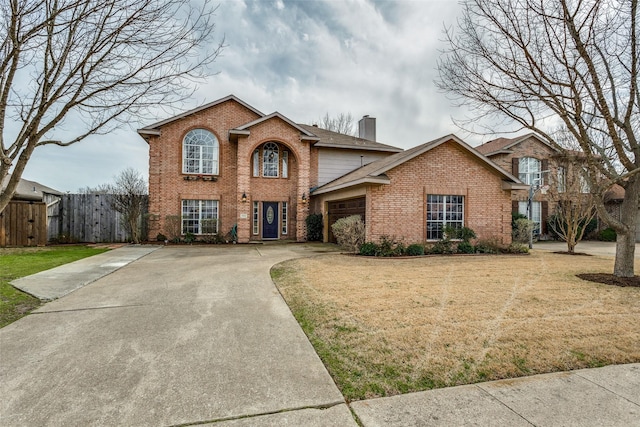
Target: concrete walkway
column 200, row 335
column 591, row 247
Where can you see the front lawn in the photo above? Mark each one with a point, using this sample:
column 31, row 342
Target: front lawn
column 20, row 262
column 390, row 326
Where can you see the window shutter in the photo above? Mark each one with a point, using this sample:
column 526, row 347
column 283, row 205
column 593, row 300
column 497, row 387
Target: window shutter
column 514, row 206
column 545, row 167
column 514, row 166
column 544, row 213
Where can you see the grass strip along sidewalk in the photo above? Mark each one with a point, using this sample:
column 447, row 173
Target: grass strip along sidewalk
column 20, row 262
column 392, row 326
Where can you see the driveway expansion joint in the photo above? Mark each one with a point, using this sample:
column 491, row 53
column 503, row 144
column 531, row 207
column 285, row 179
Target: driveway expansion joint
column 261, row 414
column 605, row 388
column 89, row 308
column 503, row 404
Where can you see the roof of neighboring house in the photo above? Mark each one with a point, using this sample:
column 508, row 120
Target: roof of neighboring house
column 30, row 190
column 503, row 145
column 614, row 194
column 374, row 173
column 332, row 139
column 154, row 128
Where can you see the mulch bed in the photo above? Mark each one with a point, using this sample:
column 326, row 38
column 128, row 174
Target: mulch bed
column 610, row 279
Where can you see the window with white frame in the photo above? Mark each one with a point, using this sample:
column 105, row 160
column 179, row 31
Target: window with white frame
column 442, row 211
column 256, row 217
column 199, row 216
column 562, row 183
column 256, row 162
column 270, row 159
column 529, row 170
column 285, row 164
column 284, row 217
column 536, row 214
column 200, row 150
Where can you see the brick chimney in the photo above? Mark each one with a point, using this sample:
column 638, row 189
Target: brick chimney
column 367, row 128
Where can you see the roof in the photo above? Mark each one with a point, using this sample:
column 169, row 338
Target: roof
column 614, row 194
column 306, row 135
column 374, row 173
column 503, row 145
column 30, row 190
column 154, row 128
column 332, row 139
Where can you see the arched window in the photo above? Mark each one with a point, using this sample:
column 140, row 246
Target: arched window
column 270, row 159
column 529, row 169
column 200, row 152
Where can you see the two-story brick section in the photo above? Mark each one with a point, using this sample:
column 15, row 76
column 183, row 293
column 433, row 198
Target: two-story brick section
column 227, row 165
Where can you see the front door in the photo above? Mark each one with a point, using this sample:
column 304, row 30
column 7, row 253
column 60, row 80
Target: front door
column 269, row 220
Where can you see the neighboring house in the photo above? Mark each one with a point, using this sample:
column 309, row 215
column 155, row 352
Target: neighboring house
column 612, row 203
column 535, row 162
column 226, row 164
column 23, row 223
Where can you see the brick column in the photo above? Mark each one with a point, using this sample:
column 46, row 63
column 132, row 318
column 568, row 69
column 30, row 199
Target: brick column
column 243, row 172
column 302, row 209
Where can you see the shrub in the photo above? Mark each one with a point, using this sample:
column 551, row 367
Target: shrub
column 464, row 233
column 161, row 237
column 517, row 248
column 515, row 216
column 489, row 246
column 173, row 224
column 389, row 247
column 349, row 232
column 400, row 249
column 607, row 235
column 314, row 227
column 189, row 238
column 522, row 229
column 442, row 247
column 415, row 250
column 369, row 249
column 466, row 248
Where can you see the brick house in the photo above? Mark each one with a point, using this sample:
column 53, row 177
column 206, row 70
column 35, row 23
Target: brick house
column 226, row 164
column 534, row 162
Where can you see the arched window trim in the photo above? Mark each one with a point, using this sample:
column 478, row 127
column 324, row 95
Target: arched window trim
column 271, row 160
column 200, row 152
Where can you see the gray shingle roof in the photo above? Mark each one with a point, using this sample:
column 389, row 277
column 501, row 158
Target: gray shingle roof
column 338, row 140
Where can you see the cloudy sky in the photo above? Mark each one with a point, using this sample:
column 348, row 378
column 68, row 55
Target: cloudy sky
column 302, row 59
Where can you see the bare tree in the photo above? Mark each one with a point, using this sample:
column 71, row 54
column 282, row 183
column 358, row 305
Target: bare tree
column 342, row 123
column 540, row 64
column 128, row 195
column 101, row 61
column 574, row 202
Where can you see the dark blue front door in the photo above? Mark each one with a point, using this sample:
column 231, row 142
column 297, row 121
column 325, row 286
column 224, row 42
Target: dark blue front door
column 269, row 220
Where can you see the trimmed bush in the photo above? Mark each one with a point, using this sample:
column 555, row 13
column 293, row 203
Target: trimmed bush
column 415, row 250
column 369, row 249
column 161, row 237
column 314, row 227
column 189, row 238
column 607, row 235
column 489, row 246
column 349, row 232
column 522, row 229
column 517, row 248
column 442, row 247
column 466, row 248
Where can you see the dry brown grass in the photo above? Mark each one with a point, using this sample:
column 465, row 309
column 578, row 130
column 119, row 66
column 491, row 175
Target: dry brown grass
column 388, row 326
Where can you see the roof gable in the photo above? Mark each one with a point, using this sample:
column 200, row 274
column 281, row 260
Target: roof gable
column 505, row 145
column 375, row 172
column 154, row 128
column 244, row 129
column 30, row 190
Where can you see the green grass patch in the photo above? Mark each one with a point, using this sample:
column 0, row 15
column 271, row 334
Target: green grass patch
column 20, row 262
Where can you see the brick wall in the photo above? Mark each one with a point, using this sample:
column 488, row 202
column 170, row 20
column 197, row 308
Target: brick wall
column 399, row 209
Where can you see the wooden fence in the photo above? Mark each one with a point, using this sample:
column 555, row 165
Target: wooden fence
column 87, row 218
column 23, row 224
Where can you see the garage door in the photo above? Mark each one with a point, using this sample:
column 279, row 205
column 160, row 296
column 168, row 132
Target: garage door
column 345, row 208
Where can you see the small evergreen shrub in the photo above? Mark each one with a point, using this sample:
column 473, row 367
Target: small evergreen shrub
column 161, row 237
column 189, row 238
column 349, row 232
column 387, row 246
column 369, row 249
column 415, row 250
column 607, row 235
column 517, row 248
column 314, row 227
column 464, row 233
column 488, row 246
column 522, row 229
column 442, row 247
column 466, row 248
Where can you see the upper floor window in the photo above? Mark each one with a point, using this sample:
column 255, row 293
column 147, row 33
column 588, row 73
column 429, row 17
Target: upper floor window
column 200, row 152
column 562, row 180
column 270, row 159
column 273, row 163
column 530, row 171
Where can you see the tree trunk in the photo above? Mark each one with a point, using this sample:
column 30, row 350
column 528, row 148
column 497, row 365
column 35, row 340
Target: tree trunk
column 625, row 243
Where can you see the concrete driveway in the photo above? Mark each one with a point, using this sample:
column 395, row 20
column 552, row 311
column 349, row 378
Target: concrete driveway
column 185, row 335
column 591, row 247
